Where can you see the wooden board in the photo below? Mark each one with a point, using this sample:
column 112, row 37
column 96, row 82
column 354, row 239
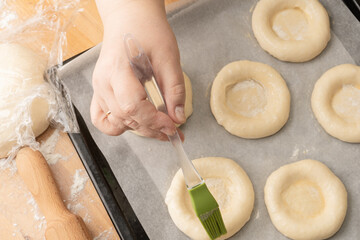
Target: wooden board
column 21, row 211
column 19, row 215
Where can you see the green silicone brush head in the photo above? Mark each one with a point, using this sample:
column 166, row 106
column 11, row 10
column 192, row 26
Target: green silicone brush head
column 207, row 210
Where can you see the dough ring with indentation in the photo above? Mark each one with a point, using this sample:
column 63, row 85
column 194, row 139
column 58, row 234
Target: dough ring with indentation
column 250, row 99
column 294, row 31
column 305, row 200
column 336, row 102
column 230, row 186
column 188, row 108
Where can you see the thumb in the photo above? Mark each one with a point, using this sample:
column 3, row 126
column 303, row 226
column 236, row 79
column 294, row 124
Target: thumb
column 172, row 84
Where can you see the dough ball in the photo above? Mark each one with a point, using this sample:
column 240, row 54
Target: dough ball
column 23, row 95
column 305, row 200
column 230, row 186
column 188, row 108
column 335, row 102
column 293, row 31
column 250, row 99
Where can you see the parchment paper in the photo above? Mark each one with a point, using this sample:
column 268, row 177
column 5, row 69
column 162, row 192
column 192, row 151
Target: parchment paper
column 212, row 33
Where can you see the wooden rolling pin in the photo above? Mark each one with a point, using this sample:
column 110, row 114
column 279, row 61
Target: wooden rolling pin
column 61, row 224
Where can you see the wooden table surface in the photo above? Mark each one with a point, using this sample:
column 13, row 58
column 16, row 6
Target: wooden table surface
column 19, row 214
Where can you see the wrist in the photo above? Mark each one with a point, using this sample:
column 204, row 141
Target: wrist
column 141, row 18
column 113, row 12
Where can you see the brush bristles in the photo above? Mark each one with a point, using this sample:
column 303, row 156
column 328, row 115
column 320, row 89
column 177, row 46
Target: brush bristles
column 213, row 223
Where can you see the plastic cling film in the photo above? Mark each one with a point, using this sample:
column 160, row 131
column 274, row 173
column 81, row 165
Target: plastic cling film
column 23, row 120
column 64, row 118
column 32, row 96
column 39, row 25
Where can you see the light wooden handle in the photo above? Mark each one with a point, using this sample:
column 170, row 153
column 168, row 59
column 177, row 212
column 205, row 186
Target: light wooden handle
column 61, row 224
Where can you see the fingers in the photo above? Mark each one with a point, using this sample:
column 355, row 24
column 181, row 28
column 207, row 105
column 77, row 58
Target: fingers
column 129, row 108
column 113, row 126
column 117, row 89
column 170, row 76
column 103, row 122
column 174, row 93
column 138, row 113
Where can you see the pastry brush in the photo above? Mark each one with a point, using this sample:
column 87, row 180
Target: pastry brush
column 203, row 202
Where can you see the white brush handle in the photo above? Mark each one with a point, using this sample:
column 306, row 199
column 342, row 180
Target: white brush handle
column 191, row 176
column 142, row 68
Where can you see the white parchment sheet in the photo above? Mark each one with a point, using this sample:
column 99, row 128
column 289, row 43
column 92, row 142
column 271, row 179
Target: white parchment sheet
column 211, row 34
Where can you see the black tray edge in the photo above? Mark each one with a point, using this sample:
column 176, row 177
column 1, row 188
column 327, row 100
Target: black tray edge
column 113, row 198
column 116, row 204
column 354, row 6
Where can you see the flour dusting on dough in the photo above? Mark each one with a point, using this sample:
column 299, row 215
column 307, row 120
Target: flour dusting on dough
column 346, row 103
column 247, row 98
column 218, row 187
column 79, row 182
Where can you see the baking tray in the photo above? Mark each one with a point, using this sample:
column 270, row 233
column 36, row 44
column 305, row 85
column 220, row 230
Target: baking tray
column 124, row 219
column 211, row 34
column 116, row 204
column 354, row 6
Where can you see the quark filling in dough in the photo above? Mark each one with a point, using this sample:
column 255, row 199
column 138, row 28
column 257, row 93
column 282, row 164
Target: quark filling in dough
column 346, row 103
column 290, row 24
column 306, row 200
column 219, row 189
column 292, row 31
column 246, row 98
column 303, row 199
column 230, row 186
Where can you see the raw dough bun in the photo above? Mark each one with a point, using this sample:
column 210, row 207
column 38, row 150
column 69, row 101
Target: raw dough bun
column 21, row 76
column 305, row 200
column 250, row 99
column 230, row 186
column 294, row 31
column 188, row 108
column 335, row 102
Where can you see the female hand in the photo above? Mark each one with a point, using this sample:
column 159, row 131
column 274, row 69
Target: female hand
column 116, row 89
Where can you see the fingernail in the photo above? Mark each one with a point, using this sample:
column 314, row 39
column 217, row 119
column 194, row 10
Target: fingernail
column 168, row 131
column 180, row 114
